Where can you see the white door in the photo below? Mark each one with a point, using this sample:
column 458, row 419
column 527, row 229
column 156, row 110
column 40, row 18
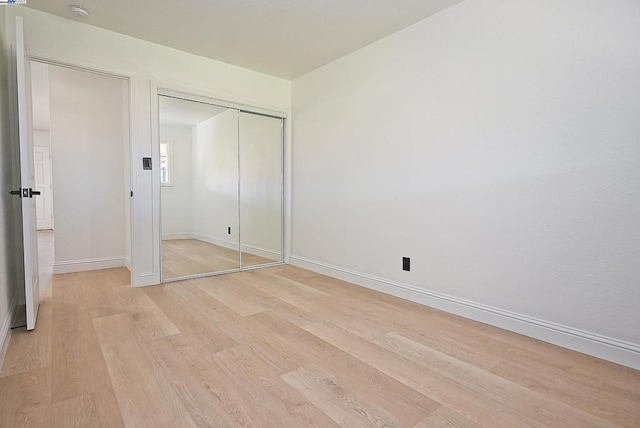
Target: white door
column 44, row 201
column 27, row 179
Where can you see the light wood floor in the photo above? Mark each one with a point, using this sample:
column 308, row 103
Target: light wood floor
column 185, row 257
column 285, row 347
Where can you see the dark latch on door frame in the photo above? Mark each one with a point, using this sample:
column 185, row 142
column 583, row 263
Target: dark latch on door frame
column 25, row 193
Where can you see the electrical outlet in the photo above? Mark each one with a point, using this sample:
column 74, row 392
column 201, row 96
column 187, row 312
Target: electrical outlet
column 406, row 263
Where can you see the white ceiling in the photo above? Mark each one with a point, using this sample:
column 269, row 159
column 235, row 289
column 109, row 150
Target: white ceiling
column 284, row 38
column 179, row 112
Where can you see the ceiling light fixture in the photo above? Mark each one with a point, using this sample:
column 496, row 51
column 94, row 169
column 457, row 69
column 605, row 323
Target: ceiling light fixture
column 79, row 11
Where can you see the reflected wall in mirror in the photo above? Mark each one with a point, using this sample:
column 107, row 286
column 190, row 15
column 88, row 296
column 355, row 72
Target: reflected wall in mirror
column 261, row 186
column 199, row 188
column 221, row 176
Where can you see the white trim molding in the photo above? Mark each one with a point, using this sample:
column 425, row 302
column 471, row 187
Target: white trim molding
column 232, row 245
column 89, row 264
column 178, row 235
column 617, row 351
column 5, row 329
column 267, row 253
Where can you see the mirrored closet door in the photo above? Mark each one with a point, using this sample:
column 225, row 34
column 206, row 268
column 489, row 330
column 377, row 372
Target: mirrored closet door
column 221, row 178
column 260, row 189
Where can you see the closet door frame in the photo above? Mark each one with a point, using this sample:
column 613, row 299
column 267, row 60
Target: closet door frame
column 168, row 90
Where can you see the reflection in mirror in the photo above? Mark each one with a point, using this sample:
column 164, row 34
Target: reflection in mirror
column 261, row 184
column 199, row 188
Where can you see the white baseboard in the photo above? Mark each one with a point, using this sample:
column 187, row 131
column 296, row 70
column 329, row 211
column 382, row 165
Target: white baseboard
column 146, row 279
column 267, row 253
column 232, row 245
column 617, row 351
column 5, row 329
column 180, row 235
column 89, row 264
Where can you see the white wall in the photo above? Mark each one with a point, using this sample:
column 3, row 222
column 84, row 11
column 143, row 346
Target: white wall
column 215, row 179
column 41, row 138
column 177, row 200
column 40, row 96
column 72, row 42
column 497, row 144
column 87, row 141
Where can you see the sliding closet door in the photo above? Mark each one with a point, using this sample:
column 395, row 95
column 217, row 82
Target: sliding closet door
column 199, row 188
column 261, row 189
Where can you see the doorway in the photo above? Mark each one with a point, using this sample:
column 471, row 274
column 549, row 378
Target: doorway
column 82, row 168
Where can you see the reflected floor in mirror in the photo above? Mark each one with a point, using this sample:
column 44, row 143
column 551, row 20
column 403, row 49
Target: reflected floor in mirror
column 186, row 257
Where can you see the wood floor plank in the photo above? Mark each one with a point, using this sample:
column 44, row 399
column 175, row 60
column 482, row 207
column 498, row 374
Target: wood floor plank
column 67, row 287
column 292, row 289
column 408, row 404
column 142, row 395
column 442, row 340
column 443, row 390
column 147, row 318
column 340, row 404
column 444, row 417
column 183, row 422
column 318, row 306
column 101, row 296
column 270, row 398
column 282, row 356
column 273, row 304
column 204, row 302
column 190, row 321
column 76, row 412
column 521, row 349
column 79, row 369
column 72, row 352
column 375, row 318
column 29, row 350
column 580, row 391
column 26, row 398
column 527, row 404
column 227, row 290
column 291, row 272
column 208, row 396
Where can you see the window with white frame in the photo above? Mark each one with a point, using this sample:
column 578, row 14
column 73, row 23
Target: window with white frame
column 166, row 174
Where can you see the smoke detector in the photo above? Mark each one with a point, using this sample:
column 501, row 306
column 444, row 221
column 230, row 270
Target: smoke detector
column 79, row 11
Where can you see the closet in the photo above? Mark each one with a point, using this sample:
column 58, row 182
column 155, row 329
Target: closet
column 221, row 178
